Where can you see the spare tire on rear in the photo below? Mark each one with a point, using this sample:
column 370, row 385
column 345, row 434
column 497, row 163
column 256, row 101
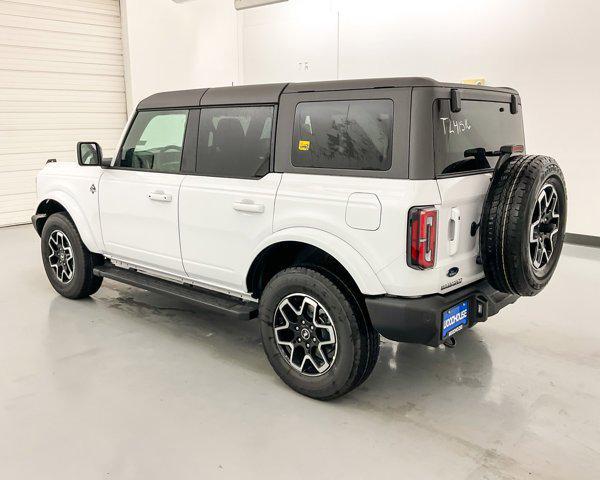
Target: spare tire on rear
column 523, row 224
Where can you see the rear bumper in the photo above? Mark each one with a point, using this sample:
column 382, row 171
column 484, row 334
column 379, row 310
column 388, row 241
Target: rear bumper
column 419, row 320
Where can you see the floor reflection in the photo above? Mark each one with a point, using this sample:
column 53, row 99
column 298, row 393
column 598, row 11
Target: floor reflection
column 468, row 363
column 404, row 371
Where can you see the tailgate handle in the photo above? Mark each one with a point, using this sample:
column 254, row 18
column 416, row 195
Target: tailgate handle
column 454, row 231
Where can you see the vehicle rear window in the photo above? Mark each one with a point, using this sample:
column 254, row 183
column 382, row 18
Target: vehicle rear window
column 486, row 126
column 355, row 135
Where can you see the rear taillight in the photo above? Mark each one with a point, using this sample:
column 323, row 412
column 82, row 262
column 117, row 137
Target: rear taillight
column 422, row 232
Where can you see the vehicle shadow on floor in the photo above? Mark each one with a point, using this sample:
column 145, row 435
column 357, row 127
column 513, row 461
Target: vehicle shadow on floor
column 405, row 375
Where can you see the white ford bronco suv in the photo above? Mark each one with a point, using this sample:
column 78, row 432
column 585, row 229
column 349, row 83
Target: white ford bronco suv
column 332, row 211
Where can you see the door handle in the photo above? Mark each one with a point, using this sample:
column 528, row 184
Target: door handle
column 248, row 206
column 454, row 231
column 160, row 197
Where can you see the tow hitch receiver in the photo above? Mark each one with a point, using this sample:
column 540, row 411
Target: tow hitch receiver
column 450, row 342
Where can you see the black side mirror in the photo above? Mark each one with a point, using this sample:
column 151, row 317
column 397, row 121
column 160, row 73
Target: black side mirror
column 89, row 154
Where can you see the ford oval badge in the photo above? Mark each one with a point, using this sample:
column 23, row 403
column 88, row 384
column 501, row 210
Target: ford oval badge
column 453, row 271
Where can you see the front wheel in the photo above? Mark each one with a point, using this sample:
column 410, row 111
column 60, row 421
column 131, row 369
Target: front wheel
column 68, row 263
column 315, row 335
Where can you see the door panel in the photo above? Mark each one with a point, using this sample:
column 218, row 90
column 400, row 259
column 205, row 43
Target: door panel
column 226, row 210
column 138, row 213
column 222, row 222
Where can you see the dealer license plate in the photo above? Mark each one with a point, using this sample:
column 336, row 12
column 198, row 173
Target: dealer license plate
column 455, row 319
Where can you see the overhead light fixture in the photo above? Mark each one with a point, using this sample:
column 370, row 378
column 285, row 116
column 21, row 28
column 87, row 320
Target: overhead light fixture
column 244, row 4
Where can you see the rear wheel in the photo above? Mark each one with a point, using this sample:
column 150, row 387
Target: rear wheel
column 315, row 334
column 68, row 263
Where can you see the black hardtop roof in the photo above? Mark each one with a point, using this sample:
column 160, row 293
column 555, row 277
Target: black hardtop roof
column 270, row 93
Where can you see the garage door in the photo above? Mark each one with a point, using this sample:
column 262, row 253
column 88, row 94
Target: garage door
column 61, row 81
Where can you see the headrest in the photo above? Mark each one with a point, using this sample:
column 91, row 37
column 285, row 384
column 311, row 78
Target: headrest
column 228, row 130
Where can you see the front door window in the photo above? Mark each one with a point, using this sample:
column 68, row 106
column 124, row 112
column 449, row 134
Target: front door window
column 155, row 141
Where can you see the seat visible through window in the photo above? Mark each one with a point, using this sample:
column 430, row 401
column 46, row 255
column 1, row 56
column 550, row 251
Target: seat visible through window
column 234, row 141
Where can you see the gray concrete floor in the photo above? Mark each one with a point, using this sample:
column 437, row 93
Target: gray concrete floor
column 133, row 385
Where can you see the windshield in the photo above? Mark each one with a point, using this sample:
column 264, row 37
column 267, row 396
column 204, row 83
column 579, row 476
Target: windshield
column 462, row 138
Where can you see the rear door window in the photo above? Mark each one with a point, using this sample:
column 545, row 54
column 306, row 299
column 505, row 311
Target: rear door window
column 355, row 135
column 235, row 141
column 463, row 138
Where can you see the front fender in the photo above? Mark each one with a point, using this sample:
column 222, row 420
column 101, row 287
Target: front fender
column 351, row 260
column 82, row 223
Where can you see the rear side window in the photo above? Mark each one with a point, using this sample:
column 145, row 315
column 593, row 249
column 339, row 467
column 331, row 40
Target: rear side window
column 354, row 135
column 234, row 141
column 463, row 138
column 155, row 141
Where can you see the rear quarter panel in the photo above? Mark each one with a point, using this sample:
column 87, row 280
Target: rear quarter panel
column 323, row 201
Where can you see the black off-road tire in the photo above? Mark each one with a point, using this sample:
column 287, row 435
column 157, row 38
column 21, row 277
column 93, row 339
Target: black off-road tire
column 83, row 282
column 369, row 331
column 506, row 223
column 357, row 341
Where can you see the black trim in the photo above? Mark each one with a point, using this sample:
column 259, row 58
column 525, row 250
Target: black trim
column 580, row 239
column 419, row 320
column 189, row 154
column 242, row 95
column 35, row 221
column 273, row 138
column 374, row 83
column 208, row 299
column 441, row 176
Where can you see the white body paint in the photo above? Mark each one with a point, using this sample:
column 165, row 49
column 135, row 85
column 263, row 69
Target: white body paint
column 210, row 230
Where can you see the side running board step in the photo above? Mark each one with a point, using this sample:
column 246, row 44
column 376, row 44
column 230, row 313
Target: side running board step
column 217, row 302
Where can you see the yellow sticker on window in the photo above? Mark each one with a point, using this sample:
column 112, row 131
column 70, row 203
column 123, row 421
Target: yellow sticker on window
column 303, row 145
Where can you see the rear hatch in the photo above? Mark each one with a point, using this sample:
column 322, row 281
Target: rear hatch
column 464, row 162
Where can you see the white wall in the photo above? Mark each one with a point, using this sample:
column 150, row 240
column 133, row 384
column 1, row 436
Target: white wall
column 548, row 50
column 290, row 42
column 173, row 46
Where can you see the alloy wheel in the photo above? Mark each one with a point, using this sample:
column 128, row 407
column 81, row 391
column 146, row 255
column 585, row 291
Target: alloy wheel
column 305, row 334
column 544, row 225
column 61, row 258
